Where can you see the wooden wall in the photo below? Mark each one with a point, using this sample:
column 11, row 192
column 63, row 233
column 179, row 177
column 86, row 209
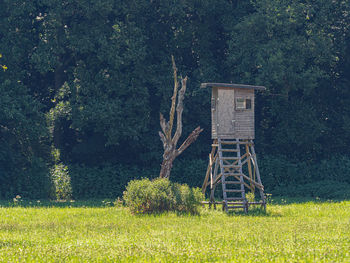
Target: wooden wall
column 245, row 118
column 227, row 122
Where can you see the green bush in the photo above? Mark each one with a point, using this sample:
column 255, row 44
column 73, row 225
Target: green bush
column 62, row 182
column 160, row 195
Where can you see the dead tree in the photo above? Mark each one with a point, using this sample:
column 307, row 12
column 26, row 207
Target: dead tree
column 169, row 141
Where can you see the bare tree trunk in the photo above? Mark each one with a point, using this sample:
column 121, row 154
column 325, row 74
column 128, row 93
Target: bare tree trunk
column 169, row 141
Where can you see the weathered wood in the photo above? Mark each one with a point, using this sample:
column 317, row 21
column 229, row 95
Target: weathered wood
column 169, row 142
column 234, row 198
column 229, row 150
column 262, row 196
column 232, row 110
column 227, row 121
column 241, row 177
column 233, row 182
column 233, row 191
column 250, row 169
column 231, row 85
column 222, row 176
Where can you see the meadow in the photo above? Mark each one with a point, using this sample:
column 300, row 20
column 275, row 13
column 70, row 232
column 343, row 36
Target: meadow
column 309, row 231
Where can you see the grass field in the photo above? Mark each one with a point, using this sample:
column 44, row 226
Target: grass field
column 85, row 232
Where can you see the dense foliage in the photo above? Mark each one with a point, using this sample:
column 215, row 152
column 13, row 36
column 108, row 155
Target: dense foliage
column 87, row 79
column 161, row 195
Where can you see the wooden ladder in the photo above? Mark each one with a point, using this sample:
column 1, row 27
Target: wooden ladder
column 229, row 153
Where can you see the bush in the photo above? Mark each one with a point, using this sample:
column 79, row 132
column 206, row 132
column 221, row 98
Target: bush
column 160, row 195
column 61, row 181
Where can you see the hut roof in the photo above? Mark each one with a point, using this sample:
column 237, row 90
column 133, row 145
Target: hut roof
column 231, row 85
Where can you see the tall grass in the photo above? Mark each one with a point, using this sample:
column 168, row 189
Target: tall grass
column 293, row 232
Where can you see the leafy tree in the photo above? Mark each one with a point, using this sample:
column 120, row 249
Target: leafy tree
column 287, row 46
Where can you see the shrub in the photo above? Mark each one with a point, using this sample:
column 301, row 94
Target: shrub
column 61, row 182
column 159, row 195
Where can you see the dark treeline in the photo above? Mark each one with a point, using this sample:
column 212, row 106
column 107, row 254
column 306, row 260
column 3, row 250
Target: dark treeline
column 86, row 80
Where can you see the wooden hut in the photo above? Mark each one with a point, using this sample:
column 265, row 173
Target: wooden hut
column 232, row 115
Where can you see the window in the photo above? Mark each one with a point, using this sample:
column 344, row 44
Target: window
column 248, row 104
column 243, row 104
column 240, row 104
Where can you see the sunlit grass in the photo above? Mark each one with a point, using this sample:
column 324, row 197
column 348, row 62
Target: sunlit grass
column 75, row 232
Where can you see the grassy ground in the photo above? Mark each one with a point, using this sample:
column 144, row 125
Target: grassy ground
column 90, row 231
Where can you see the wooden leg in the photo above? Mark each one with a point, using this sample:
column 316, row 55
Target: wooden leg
column 262, row 196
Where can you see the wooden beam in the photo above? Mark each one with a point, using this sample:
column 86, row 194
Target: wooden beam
column 250, row 167
column 205, row 183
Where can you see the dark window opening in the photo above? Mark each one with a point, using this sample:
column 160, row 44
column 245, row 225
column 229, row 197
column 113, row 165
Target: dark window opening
column 248, row 104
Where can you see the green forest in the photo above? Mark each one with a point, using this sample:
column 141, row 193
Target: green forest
column 82, row 84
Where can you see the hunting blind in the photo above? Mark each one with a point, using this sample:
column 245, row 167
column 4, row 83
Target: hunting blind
column 232, row 161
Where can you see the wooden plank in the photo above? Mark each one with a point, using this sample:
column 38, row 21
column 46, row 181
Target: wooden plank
column 233, row 182
column 230, row 85
column 228, row 150
column 222, row 176
column 212, row 190
column 262, row 196
column 234, row 198
column 233, row 191
column 241, row 177
column 230, row 158
column 238, row 178
column 208, row 202
column 206, row 179
column 250, row 169
column 235, row 206
column 246, row 160
column 240, row 142
column 231, row 166
column 260, row 186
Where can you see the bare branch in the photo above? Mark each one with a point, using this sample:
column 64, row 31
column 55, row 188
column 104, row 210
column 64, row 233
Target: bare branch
column 179, row 110
column 163, row 123
column 169, row 143
column 163, row 139
column 173, row 99
column 190, row 139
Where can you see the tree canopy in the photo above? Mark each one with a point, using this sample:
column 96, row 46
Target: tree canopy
column 89, row 78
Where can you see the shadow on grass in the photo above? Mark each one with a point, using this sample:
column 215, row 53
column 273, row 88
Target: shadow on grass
column 96, row 203
column 279, row 200
column 254, row 212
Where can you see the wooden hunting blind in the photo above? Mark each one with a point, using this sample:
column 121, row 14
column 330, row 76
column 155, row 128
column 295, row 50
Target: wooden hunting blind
column 232, row 116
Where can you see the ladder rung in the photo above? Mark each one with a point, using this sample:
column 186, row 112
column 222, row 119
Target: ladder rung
column 229, row 150
column 229, row 142
column 233, row 174
column 236, row 142
column 230, row 158
column 231, row 166
column 232, row 182
column 234, row 198
column 233, row 191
